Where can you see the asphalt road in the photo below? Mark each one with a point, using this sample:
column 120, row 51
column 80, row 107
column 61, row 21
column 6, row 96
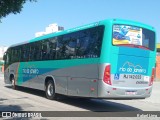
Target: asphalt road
column 34, row 100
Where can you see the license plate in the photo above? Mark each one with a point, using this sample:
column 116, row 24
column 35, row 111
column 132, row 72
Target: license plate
column 130, row 92
column 130, row 76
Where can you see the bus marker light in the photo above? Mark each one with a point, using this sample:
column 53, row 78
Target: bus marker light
column 114, row 88
column 94, row 80
column 92, row 89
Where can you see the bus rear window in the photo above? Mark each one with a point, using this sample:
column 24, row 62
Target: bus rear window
column 133, row 36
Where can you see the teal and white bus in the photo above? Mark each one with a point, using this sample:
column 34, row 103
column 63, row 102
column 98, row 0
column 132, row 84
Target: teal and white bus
column 112, row 59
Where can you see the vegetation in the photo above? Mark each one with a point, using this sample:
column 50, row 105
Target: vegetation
column 11, row 6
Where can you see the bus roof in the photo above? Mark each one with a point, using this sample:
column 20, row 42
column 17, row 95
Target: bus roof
column 119, row 21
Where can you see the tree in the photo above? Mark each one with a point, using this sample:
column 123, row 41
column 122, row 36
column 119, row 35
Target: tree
column 11, row 6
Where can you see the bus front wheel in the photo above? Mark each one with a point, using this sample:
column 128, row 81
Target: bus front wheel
column 50, row 90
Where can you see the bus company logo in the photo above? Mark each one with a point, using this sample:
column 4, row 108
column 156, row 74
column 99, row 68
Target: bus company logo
column 6, row 114
column 131, row 68
column 141, row 82
column 30, row 71
column 21, row 115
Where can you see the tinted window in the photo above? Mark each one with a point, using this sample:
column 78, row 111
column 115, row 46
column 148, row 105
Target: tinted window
column 32, row 52
column 60, row 48
column 81, row 44
column 70, row 50
column 89, row 42
column 148, row 39
column 44, row 51
column 38, row 47
column 15, row 54
column 51, row 45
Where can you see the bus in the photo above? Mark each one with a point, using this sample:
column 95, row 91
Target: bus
column 108, row 59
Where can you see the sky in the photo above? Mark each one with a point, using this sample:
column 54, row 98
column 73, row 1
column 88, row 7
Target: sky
column 36, row 16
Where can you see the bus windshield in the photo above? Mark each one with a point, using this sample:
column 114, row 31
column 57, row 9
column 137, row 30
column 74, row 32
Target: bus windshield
column 133, row 36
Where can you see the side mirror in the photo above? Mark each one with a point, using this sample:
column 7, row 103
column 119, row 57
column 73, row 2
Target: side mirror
column 4, row 56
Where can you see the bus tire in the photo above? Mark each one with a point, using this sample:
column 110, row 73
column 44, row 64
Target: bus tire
column 50, row 90
column 13, row 83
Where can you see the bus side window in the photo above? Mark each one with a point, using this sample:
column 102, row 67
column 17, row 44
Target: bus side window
column 37, row 53
column 5, row 57
column 70, row 45
column 44, row 50
column 82, row 44
column 12, row 57
column 17, row 54
column 31, row 52
column 71, row 48
column 60, row 48
column 89, row 42
column 52, row 48
column 28, row 52
column 9, row 57
column 20, row 53
column 96, row 36
column 25, row 52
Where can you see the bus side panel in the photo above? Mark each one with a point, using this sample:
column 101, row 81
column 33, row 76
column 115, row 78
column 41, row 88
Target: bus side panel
column 77, row 81
column 61, row 83
column 80, row 80
column 6, row 76
column 32, row 76
column 12, row 70
column 37, row 82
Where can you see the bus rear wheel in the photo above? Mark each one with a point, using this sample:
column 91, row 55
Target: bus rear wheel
column 13, row 83
column 50, row 90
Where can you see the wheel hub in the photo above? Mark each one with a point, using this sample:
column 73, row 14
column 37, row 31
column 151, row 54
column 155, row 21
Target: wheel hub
column 50, row 90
